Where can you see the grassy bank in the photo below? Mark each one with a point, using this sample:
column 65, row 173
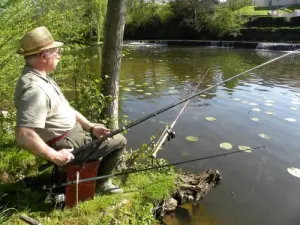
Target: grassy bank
column 143, row 191
column 264, row 11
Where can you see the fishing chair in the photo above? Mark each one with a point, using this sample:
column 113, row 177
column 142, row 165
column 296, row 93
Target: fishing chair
column 69, row 195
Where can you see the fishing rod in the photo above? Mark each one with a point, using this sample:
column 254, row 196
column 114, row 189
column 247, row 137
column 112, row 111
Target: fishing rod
column 168, row 131
column 147, row 169
column 138, row 121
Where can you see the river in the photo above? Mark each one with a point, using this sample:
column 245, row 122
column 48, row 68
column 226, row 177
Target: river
column 258, row 109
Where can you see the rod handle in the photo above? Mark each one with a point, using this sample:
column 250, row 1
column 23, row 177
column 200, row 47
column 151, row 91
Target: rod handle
column 29, row 220
column 159, row 144
column 45, row 166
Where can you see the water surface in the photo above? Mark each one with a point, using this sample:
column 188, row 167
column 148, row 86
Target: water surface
column 256, row 187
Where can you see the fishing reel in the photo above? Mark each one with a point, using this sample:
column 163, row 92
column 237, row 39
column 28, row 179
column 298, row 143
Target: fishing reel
column 55, row 198
column 171, row 134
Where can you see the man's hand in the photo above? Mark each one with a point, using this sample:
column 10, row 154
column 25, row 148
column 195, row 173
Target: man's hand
column 63, row 157
column 100, row 131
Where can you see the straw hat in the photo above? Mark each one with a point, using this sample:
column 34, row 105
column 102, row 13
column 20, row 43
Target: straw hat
column 36, row 41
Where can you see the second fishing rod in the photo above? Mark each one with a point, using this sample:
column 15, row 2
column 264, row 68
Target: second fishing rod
column 136, row 122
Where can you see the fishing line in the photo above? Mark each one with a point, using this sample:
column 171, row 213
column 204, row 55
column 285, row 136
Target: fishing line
column 169, row 130
column 256, row 180
column 149, row 168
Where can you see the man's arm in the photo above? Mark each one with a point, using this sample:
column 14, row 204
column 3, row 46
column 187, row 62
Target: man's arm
column 83, row 121
column 30, row 140
column 97, row 131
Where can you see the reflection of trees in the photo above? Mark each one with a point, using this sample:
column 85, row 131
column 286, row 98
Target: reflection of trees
column 223, row 64
column 145, row 67
column 175, row 65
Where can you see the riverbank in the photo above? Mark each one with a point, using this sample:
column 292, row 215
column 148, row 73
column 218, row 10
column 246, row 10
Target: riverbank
column 220, row 44
column 147, row 196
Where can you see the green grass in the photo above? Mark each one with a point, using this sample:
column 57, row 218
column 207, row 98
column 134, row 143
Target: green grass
column 15, row 162
column 143, row 191
column 263, row 11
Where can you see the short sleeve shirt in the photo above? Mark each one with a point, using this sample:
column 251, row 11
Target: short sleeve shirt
column 41, row 105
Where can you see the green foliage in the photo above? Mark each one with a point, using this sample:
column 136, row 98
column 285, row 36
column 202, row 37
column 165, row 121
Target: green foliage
column 238, row 4
column 81, row 86
column 97, row 15
column 15, row 162
column 139, row 14
column 68, row 21
column 208, row 17
column 226, row 22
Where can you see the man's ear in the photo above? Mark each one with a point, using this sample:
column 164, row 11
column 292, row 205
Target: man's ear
column 43, row 56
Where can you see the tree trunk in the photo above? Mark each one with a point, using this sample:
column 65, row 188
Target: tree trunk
column 111, row 55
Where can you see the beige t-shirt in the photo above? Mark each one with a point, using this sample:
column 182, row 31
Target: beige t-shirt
column 41, row 105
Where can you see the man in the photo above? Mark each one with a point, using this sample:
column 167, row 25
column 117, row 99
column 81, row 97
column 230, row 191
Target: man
column 46, row 124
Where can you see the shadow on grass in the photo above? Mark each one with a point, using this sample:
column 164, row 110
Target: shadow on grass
column 26, row 195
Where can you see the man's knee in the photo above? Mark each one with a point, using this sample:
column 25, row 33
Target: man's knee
column 122, row 141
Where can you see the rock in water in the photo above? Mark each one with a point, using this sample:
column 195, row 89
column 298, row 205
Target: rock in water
column 191, row 188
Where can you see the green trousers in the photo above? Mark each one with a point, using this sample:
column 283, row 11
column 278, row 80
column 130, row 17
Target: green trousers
column 78, row 137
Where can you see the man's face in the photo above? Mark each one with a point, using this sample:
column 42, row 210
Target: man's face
column 51, row 57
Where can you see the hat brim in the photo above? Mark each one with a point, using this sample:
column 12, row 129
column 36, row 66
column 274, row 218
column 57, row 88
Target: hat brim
column 55, row 44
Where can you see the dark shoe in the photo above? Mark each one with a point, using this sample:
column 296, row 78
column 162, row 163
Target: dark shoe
column 108, row 187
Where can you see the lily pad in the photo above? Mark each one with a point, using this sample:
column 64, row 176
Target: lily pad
column 151, row 87
column 245, row 148
column 140, row 90
column 244, row 102
column 290, row 119
column 145, row 84
column 252, row 103
column 148, row 93
column 296, row 103
column 138, row 85
column 211, row 119
column 293, row 108
column 236, row 99
column 265, row 136
column 185, row 154
column 268, row 104
column 163, row 122
column 270, row 113
column 158, row 82
column 226, row 145
column 171, row 88
column 254, row 119
column 131, row 83
column 120, row 86
column 191, row 138
column 294, row 171
column 256, row 109
column 172, row 91
column 203, row 96
column 126, row 89
column 269, row 101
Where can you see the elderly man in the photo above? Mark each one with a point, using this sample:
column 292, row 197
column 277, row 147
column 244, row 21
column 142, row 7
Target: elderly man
column 46, row 124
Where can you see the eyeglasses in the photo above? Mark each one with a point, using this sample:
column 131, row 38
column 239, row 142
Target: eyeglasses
column 56, row 52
